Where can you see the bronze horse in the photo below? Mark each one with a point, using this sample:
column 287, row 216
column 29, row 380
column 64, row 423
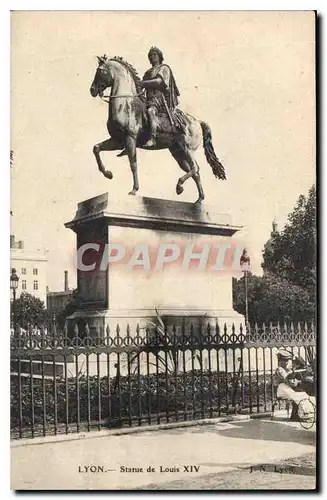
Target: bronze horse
column 128, row 127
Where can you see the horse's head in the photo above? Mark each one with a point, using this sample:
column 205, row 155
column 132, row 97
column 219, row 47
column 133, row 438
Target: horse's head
column 102, row 78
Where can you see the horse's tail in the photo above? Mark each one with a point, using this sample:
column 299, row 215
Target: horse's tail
column 217, row 168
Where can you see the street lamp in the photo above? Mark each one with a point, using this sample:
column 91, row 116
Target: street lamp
column 14, row 279
column 245, row 268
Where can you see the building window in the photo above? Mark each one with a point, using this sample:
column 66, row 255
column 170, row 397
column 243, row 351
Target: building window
column 23, row 270
column 23, row 284
column 35, row 271
column 35, row 285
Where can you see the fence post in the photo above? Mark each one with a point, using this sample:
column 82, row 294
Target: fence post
column 54, row 329
column 241, row 367
column 87, row 330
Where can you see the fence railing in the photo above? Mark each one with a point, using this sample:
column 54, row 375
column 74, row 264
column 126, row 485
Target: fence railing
column 62, row 384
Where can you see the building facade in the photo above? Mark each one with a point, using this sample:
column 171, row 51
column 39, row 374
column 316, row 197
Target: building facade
column 31, row 268
column 57, row 301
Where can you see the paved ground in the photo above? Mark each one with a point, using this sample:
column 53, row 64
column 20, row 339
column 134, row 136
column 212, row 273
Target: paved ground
column 216, row 456
column 240, row 480
column 297, row 473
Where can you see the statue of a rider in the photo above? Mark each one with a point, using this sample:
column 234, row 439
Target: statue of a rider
column 161, row 92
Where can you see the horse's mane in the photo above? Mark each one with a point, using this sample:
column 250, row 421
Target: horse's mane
column 132, row 71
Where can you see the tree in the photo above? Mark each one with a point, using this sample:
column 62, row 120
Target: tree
column 28, row 310
column 291, row 254
column 287, row 289
column 255, row 294
column 273, row 299
column 69, row 309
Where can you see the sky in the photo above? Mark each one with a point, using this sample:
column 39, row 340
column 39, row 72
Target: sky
column 249, row 75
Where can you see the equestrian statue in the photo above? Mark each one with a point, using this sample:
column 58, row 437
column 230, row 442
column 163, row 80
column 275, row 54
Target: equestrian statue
column 144, row 114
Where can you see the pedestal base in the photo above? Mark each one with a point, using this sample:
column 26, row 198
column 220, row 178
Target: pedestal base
column 194, row 286
column 139, row 319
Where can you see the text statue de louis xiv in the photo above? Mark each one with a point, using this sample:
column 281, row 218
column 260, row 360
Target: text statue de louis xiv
column 144, row 114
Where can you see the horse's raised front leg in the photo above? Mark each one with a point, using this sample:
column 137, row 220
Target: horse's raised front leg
column 108, row 145
column 131, row 151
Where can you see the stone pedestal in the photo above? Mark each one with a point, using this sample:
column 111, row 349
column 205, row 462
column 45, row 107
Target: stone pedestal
column 128, row 292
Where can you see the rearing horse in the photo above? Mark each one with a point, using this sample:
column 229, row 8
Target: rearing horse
column 128, row 126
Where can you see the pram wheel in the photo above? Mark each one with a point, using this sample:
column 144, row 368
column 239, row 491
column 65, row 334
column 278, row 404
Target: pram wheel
column 307, row 413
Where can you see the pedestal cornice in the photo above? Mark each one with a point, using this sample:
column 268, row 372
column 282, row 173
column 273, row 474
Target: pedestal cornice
column 155, row 214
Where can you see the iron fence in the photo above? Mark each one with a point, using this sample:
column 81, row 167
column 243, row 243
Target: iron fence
column 63, row 384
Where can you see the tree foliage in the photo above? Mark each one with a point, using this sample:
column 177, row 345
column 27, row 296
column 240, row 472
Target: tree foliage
column 291, row 254
column 28, row 311
column 69, row 309
column 273, row 299
column 287, row 289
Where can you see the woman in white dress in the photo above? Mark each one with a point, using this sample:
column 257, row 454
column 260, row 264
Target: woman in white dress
column 288, row 384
